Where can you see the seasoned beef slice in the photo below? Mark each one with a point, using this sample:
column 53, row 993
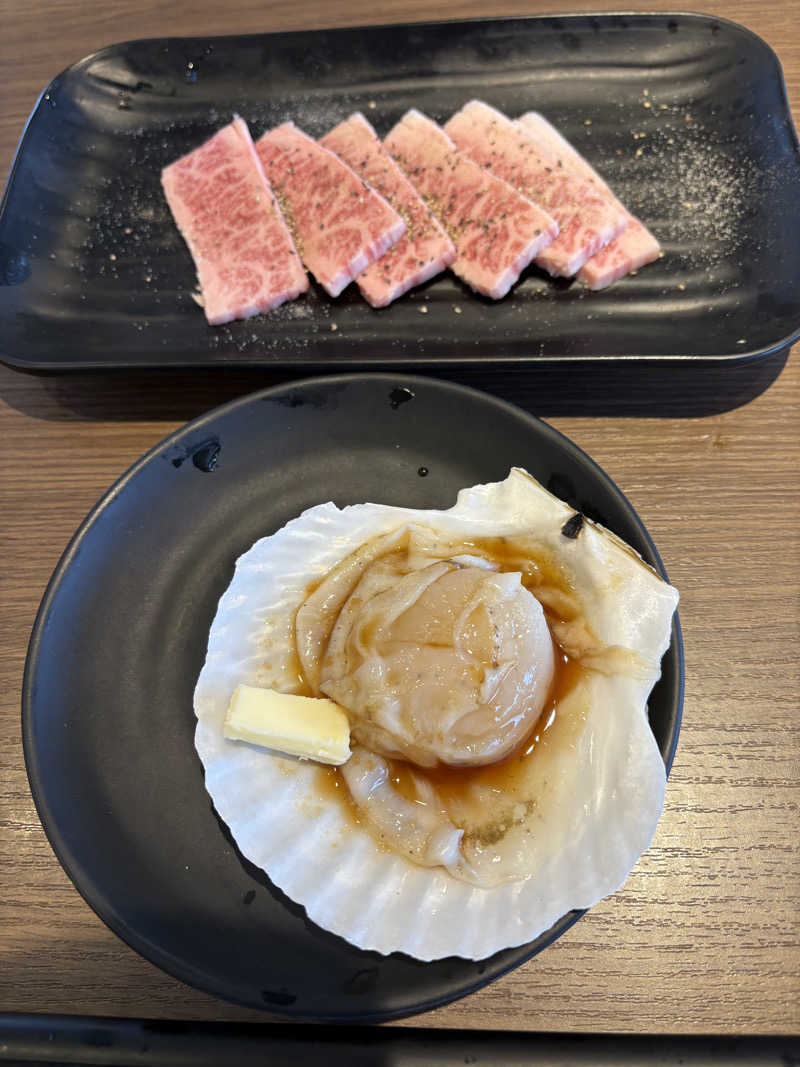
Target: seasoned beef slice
column 587, row 217
column 633, row 248
column 496, row 230
column 424, row 250
column 340, row 223
column 244, row 255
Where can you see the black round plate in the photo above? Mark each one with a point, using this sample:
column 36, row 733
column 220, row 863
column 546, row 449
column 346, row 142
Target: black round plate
column 121, row 636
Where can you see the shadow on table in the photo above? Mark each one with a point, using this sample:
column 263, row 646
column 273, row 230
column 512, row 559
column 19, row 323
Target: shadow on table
column 681, row 389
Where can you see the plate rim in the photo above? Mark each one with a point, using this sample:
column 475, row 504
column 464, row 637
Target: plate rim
column 404, row 363
column 100, row 904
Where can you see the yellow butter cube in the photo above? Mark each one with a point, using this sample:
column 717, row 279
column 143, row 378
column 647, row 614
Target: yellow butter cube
column 309, row 727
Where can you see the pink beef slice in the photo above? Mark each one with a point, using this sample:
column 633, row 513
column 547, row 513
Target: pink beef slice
column 587, row 217
column 341, row 225
column 496, row 231
column 424, row 250
column 633, row 248
column 245, row 258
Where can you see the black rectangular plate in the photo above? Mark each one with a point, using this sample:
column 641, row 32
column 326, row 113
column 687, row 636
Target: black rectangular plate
column 685, row 115
column 100, row 1040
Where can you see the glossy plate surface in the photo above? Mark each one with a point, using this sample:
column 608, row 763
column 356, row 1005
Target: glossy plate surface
column 685, row 115
column 121, row 636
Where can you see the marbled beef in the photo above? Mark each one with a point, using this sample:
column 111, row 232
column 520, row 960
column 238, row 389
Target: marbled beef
column 633, row 248
column 244, row 255
column 340, row 223
column 587, row 218
column 496, row 231
column 424, row 249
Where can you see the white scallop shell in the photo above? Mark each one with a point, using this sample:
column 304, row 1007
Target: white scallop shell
column 608, row 792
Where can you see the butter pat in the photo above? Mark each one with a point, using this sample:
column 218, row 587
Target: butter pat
column 308, row 727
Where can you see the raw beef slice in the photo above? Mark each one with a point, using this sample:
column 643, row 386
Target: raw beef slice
column 587, row 217
column 244, row 255
column 424, row 249
column 340, row 223
column 495, row 229
column 633, row 248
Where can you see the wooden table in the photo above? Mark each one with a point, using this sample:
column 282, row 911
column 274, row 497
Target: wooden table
column 704, row 936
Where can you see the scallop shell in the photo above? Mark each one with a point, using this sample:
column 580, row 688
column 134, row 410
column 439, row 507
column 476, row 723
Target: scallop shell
column 607, row 795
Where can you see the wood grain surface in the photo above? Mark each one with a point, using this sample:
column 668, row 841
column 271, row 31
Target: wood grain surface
column 705, row 935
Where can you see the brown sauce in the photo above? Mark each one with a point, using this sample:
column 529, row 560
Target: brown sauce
column 538, row 570
column 331, row 787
